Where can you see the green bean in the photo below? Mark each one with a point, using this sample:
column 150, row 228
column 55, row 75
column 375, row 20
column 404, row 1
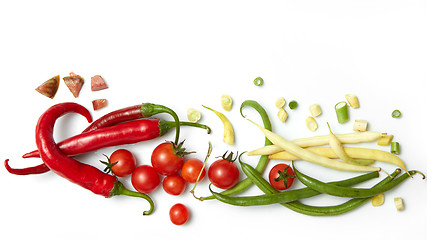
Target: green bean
column 314, row 210
column 340, row 191
column 281, row 197
column 263, row 160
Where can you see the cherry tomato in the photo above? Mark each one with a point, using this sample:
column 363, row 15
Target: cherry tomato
column 223, row 173
column 174, row 184
column 281, row 176
column 124, row 162
column 145, row 179
column 167, row 159
column 179, row 214
column 191, row 169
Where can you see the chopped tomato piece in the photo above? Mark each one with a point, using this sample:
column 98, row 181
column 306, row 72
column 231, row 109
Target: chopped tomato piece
column 98, row 83
column 49, row 87
column 99, row 103
column 74, row 83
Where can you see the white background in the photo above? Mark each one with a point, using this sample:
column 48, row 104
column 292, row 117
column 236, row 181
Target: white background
column 187, row 53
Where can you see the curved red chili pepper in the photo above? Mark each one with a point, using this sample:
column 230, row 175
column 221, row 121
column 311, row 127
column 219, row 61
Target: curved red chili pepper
column 120, row 134
column 79, row 173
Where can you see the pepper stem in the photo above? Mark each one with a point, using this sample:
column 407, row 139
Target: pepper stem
column 150, row 109
column 119, row 189
column 168, row 125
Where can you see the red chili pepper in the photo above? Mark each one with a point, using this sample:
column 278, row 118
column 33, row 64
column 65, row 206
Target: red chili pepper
column 120, row 134
column 79, row 173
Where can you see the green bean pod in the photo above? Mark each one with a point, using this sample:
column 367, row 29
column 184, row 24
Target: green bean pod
column 318, row 210
column 279, row 197
column 340, row 191
column 263, row 160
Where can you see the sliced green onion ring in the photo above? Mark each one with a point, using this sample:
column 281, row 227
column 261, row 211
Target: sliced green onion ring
column 395, row 149
column 342, row 112
column 293, row 104
column 396, row 113
column 258, row 81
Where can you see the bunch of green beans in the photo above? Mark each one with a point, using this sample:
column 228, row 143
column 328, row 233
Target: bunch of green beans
column 262, row 163
column 299, row 207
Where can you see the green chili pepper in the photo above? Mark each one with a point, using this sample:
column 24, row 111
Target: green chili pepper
column 340, row 191
column 244, row 184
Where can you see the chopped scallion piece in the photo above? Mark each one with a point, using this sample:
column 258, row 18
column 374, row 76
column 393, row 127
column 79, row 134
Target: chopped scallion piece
column 342, row 112
column 395, row 149
column 258, row 81
column 396, row 113
column 293, row 105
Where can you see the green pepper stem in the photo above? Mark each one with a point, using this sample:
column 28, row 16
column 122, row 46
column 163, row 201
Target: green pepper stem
column 119, row 189
column 150, row 109
column 166, row 125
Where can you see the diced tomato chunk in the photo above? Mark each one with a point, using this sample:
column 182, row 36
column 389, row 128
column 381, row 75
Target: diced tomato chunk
column 49, row 87
column 74, row 83
column 98, row 83
column 99, row 103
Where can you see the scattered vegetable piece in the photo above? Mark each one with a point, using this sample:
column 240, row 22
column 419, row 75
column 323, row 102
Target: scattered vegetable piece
column 49, row 87
column 342, row 112
column 378, row 200
column 385, row 139
column 293, row 104
column 398, row 202
column 99, row 103
column 311, row 124
column 282, row 115
column 74, row 84
column 352, row 100
column 258, row 81
column 395, row 148
column 97, row 83
column 280, row 102
column 315, row 110
column 228, row 128
column 226, row 102
column 193, row 115
column 396, row 113
column 360, row 125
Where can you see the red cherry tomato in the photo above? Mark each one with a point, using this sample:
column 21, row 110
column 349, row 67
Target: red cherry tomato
column 179, row 214
column 191, row 169
column 166, row 159
column 281, row 176
column 223, row 173
column 174, row 184
column 145, row 179
column 124, row 162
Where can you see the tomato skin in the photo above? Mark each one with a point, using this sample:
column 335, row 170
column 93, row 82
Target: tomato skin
column 164, row 159
column 274, row 174
column 223, row 174
column 145, row 179
column 191, row 170
column 179, row 214
column 174, row 185
column 126, row 162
